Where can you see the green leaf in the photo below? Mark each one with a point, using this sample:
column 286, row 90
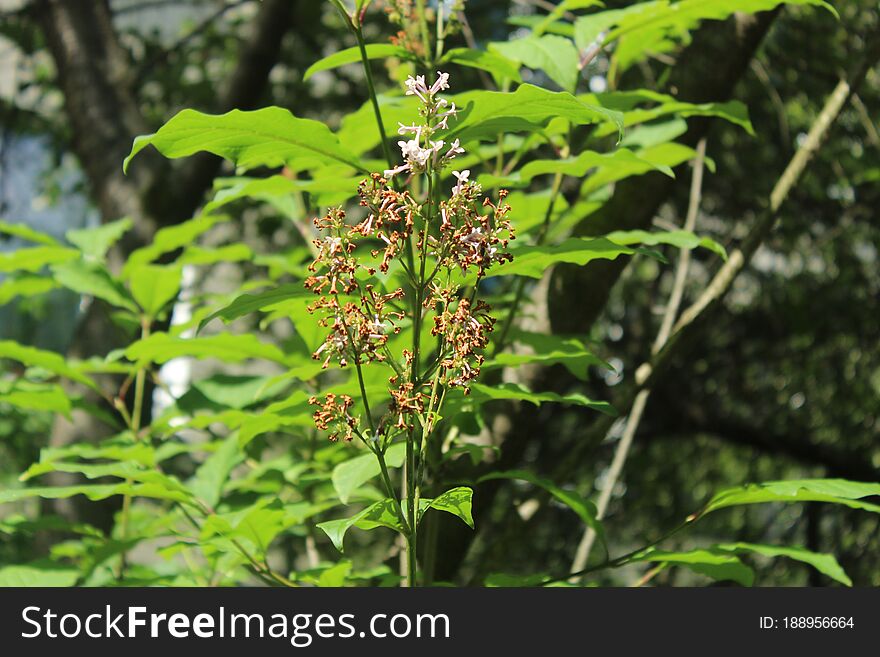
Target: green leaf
column 504, row 580
column 208, row 482
column 620, row 159
column 485, row 114
column 25, row 232
column 684, row 14
column 38, row 573
column 161, row 347
column 585, row 509
column 626, row 102
column 273, row 187
column 270, row 137
column 262, row 301
column 515, row 391
column 232, row 391
column 47, row 360
column 350, row 475
column 25, row 286
column 95, row 242
column 534, row 261
column 153, row 286
column 720, row 566
column 35, row 258
column 92, row 279
column 380, row 514
column 549, row 350
column 95, row 492
column 499, row 66
column 833, row 491
column 683, row 239
column 352, row 55
column 166, row 240
column 50, row 399
column 553, row 54
column 335, row 576
column 457, row 501
column 197, row 255
column 824, row 563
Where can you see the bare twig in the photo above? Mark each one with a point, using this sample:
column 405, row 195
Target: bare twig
column 632, row 423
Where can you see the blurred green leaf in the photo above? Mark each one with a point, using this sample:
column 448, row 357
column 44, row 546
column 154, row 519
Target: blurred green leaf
column 352, row 55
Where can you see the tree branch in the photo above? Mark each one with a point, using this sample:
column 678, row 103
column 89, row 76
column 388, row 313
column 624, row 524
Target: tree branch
column 621, row 453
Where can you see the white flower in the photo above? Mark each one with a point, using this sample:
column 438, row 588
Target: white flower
column 404, row 129
column 440, row 84
column 416, row 87
column 462, row 178
column 390, row 173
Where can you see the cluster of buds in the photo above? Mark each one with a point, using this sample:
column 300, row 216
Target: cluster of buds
column 334, row 416
column 468, row 238
column 442, row 14
column 357, row 330
column 464, row 333
column 464, row 233
column 390, row 218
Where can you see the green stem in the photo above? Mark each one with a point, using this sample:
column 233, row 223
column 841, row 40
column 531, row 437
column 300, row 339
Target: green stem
column 371, row 87
column 426, row 37
column 134, row 425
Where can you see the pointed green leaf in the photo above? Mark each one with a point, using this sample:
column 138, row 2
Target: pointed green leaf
column 47, row 360
column 44, row 574
column 95, row 242
column 553, row 54
column 499, row 66
column 250, row 303
column 35, row 258
column 832, row 491
column 168, row 239
column 153, row 286
column 824, row 563
column 25, row 232
column 92, row 279
column 549, row 350
column 352, row 55
column 534, row 261
column 350, row 475
column 485, row 114
column 24, row 285
column 585, row 509
column 683, row 239
column 380, row 514
column 270, row 137
column 161, row 347
column 720, row 566
column 518, row 392
column 457, row 501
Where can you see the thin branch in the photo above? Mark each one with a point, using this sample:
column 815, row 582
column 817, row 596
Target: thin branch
column 582, row 555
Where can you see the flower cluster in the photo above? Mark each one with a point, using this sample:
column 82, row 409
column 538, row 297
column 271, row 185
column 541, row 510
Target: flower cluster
column 444, row 247
column 404, row 14
column 421, row 152
column 333, row 415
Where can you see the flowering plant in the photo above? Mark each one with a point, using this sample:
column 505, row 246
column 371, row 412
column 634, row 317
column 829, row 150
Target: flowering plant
column 430, row 241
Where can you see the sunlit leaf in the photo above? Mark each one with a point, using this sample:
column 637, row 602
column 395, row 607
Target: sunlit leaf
column 499, row 66
column 350, row 475
column 271, row 137
column 457, row 501
column 352, row 55
column 380, row 514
